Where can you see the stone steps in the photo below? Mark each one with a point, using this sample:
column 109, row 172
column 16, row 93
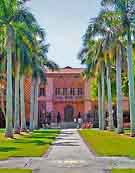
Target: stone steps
column 65, row 125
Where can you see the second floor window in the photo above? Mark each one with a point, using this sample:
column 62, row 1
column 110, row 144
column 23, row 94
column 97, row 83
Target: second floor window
column 69, row 91
column 42, row 92
column 65, row 91
column 57, row 91
column 80, row 91
column 72, row 91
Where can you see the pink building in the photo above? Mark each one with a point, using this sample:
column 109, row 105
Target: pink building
column 66, row 92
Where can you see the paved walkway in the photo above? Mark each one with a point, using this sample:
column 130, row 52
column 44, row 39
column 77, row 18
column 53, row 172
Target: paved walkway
column 69, row 154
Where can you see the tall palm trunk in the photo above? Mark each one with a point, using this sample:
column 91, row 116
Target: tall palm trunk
column 131, row 84
column 32, row 106
column 99, row 105
column 17, row 105
column 111, row 125
column 36, row 106
column 22, row 103
column 119, row 92
column 9, row 102
column 103, row 97
column 2, row 102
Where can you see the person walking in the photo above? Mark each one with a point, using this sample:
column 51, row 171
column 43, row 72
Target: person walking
column 49, row 118
column 79, row 121
column 58, row 120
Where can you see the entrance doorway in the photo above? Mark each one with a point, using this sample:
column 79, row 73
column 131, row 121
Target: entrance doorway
column 68, row 114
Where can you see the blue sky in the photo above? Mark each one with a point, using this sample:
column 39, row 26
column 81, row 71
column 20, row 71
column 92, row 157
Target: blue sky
column 65, row 22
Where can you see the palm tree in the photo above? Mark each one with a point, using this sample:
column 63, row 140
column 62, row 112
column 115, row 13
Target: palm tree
column 17, row 105
column 38, row 73
column 91, row 55
column 26, row 31
column 40, row 61
column 95, row 29
column 126, row 13
column 8, row 12
column 108, row 26
column 109, row 93
column 22, row 105
column 16, row 23
column 119, row 90
column 99, row 104
column 9, row 102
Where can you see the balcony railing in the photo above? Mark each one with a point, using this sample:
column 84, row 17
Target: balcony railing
column 63, row 98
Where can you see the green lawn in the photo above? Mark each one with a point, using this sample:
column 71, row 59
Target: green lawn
column 123, row 171
column 105, row 143
column 27, row 145
column 15, row 171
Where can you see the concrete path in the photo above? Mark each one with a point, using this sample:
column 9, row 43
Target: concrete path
column 69, row 154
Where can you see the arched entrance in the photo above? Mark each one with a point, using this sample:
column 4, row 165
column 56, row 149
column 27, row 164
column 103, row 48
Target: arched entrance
column 68, row 114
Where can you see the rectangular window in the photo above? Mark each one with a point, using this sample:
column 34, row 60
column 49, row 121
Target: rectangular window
column 72, row 91
column 57, row 91
column 65, row 91
column 80, row 91
column 42, row 92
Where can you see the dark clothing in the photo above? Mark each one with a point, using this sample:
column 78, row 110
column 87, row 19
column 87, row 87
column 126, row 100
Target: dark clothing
column 58, row 118
column 49, row 118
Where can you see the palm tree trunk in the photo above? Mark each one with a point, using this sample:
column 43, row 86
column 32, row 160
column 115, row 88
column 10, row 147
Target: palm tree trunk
column 99, row 105
column 2, row 102
column 119, row 93
column 9, row 102
column 111, row 125
column 103, row 97
column 36, row 106
column 17, row 105
column 22, row 103
column 131, row 84
column 32, row 106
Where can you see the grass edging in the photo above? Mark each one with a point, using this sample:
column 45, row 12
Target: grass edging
column 89, row 148
column 105, row 143
column 7, row 170
column 123, row 171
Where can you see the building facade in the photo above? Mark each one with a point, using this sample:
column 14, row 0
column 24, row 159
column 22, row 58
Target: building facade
column 66, row 92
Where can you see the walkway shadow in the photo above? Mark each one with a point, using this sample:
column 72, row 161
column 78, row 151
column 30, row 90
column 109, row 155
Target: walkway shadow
column 68, row 133
column 42, row 137
column 46, row 131
column 68, row 144
column 7, row 149
column 72, row 139
column 36, row 142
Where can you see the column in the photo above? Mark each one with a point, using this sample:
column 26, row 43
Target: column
column 87, row 103
column 49, row 95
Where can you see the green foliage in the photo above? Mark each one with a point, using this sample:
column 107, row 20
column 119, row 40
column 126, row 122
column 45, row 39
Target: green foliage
column 93, row 89
column 23, row 42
